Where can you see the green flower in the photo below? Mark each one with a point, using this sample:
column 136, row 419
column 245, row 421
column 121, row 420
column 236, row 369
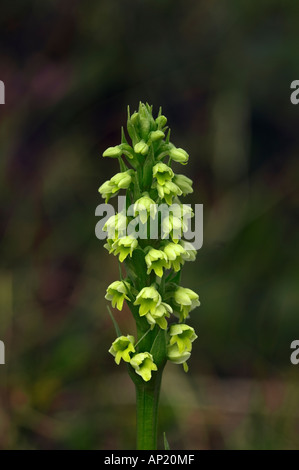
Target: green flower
column 148, row 299
column 175, row 255
column 184, row 183
column 116, row 226
column 190, row 252
column 106, row 190
column 124, row 246
column 122, row 347
column 186, row 211
column 173, row 226
column 156, row 260
column 141, row 147
column 167, row 191
column 113, row 152
column 116, row 293
column 109, row 245
column 185, row 300
column 175, row 356
column 143, row 363
column 183, row 336
column 119, row 181
column 162, row 173
column 122, row 180
column 144, row 207
column 159, row 316
column 179, row 155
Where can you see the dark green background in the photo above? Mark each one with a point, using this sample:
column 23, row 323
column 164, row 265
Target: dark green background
column 221, row 72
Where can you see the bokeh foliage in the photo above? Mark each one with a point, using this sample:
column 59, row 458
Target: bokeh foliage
column 222, row 73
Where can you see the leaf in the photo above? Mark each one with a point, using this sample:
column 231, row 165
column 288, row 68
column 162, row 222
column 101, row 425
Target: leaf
column 120, row 271
column 142, row 337
column 166, row 444
column 176, row 278
column 122, row 165
column 148, row 169
column 123, row 136
column 117, row 329
column 136, row 268
column 158, row 349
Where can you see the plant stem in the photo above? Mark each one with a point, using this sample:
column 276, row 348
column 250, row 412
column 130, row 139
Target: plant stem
column 147, row 401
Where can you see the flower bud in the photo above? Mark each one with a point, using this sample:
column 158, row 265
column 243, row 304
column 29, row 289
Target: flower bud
column 113, row 152
column 161, row 121
column 156, row 135
column 143, row 363
column 134, row 118
column 106, row 190
column 122, row 180
column 141, row 148
column 179, row 155
column 127, row 150
column 184, row 183
column 146, row 120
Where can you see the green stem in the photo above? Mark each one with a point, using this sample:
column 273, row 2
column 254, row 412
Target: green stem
column 147, row 401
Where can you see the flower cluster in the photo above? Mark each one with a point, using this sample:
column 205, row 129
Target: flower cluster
column 151, row 288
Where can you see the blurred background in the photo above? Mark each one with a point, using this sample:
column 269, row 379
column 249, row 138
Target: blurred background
column 221, row 72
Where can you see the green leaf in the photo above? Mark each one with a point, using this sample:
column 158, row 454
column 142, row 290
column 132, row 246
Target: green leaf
column 142, row 337
column 176, row 278
column 166, row 444
column 148, row 169
column 120, row 271
column 136, row 268
column 158, row 349
column 117, row 329
column 123, row 136
column 122, row 165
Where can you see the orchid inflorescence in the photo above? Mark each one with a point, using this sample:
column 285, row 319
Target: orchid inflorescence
column 151, row 289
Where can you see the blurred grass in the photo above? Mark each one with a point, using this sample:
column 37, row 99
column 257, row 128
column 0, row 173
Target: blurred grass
column 221, row 72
